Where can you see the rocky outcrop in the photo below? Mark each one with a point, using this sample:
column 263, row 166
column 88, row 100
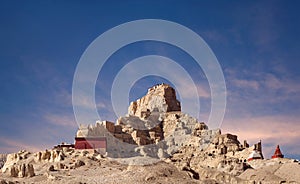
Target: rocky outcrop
column 21, row 171
column 232, row 166
column 43, row 156
column 14, row 158
column 49, row 156
column 160, row 98
column 24, row 164
column 17, row 164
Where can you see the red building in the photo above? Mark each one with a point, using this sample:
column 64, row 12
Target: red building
column 91, row 143
column 278, row 153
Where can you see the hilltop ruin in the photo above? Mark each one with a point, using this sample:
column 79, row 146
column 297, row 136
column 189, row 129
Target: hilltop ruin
column 156, row 127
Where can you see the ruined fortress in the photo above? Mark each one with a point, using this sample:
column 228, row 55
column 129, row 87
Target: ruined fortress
column 156, row 127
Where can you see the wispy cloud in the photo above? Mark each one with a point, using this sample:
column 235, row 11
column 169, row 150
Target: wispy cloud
column 63, row 120
column 87, row 102
column 243, row 83
column 11, row 145
column 261, row 87
column 286, row 85
column 202, row 89
column 215, row 36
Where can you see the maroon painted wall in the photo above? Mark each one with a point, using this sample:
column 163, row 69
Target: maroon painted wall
column 90, row 143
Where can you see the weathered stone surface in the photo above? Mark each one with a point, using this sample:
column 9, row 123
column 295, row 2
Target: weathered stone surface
column 21, row 171
column 13, row 158
column 109, row 126
column 232, row 166
column 160, row 98
column 50, row 156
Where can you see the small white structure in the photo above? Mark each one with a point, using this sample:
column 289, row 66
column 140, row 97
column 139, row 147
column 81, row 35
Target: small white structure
column 254, row 155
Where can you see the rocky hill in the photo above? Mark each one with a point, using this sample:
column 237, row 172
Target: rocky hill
column 154, row 143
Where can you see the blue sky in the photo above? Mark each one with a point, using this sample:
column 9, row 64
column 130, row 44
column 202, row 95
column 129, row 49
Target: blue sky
column 256, row 43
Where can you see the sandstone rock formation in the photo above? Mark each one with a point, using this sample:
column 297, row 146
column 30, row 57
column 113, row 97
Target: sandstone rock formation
column 21, row 171
column 160, row 98
column 50, row 156
column 14, row 158
column 15, row 165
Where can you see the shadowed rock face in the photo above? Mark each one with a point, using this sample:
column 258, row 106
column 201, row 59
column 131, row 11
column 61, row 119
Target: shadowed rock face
column 2, row 160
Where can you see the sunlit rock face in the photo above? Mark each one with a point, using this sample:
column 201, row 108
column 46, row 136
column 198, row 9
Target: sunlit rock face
column 160, row 98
